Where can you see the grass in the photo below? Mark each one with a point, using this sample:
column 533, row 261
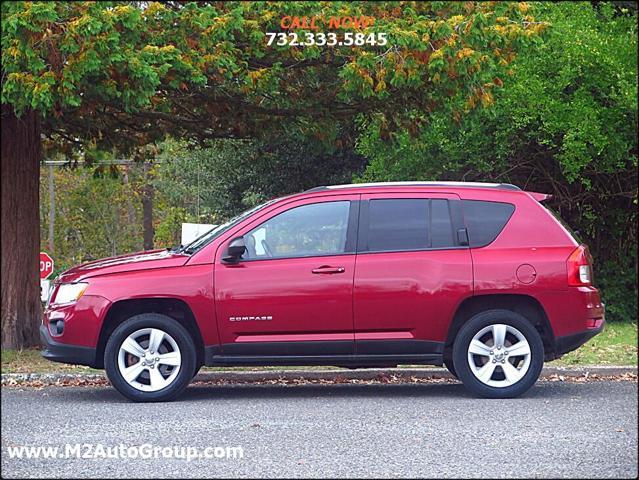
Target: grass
column 30, row 361
column 617, row 345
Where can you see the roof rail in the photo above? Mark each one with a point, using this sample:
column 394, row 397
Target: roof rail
column 498, row 186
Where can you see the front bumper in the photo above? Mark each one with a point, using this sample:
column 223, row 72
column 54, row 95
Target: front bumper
column 64, row 353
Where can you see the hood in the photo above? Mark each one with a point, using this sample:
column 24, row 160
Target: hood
column 124, row 263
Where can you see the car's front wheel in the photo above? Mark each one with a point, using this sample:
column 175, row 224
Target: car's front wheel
column 498, row 354
column 448, row 363
column 150, row 358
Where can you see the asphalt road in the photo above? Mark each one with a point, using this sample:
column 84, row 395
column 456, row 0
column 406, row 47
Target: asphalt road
column 427, row 430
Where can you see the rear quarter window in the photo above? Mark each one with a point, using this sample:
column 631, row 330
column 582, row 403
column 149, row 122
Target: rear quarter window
column 485, row 220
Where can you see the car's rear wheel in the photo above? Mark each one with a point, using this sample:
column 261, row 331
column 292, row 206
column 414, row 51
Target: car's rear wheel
column 498, row 354
column 150, row 358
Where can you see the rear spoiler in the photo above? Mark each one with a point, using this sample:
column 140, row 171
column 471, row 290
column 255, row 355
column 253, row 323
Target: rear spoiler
column 540, row 197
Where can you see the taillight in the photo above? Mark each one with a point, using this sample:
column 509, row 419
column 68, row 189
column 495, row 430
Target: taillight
column 579, row 267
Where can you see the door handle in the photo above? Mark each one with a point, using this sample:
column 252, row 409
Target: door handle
column 328, row 269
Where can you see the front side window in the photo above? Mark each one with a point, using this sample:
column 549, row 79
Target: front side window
column 215, row 232
column 308, row 230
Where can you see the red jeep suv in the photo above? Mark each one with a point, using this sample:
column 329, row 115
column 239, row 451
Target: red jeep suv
column 479, row 277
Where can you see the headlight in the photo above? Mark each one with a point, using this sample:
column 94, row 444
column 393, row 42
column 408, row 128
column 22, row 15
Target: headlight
column 69, row 293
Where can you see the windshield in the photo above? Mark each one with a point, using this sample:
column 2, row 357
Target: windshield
column 203, row 240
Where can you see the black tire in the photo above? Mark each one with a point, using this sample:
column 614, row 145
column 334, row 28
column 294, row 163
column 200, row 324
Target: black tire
column 448, row 363
column 176, row 331
column 474, row 326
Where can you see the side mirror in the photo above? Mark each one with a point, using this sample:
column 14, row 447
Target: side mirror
column 235, row 250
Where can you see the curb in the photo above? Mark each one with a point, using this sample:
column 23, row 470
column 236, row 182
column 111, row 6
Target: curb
column 326, row 375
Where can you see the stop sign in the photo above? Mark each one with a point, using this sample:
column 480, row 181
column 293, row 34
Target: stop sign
column 46, row 265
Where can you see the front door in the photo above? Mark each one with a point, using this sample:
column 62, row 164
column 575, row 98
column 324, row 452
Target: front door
column 292, row 292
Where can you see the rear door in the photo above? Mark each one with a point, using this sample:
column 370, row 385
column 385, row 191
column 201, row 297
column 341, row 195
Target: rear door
column 413, row 269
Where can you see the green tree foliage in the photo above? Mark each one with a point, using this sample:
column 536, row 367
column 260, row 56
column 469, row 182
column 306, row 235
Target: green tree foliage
column 218, row 180
column 200, row 184
column 123, row 73
column 86, row 226
column 565, row 123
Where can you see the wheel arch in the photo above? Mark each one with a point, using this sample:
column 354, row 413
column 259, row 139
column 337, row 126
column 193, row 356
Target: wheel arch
column 525, row 305
column 173, row 308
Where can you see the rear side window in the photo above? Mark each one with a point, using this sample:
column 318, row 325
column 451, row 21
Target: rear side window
column 408, row 224
column 398, row 224
column 441, row 227
column 485, row 220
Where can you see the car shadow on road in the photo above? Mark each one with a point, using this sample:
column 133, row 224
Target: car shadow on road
column 203, row 392
column 423, row 390
column 211, row 393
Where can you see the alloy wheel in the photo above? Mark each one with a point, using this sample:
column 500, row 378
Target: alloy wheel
column 499, row 355
column 149, row 359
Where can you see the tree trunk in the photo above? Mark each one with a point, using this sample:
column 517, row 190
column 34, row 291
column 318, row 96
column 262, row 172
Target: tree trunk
column 147, row 208
column 20, row 243
column 131, row 217
column 130, row 209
